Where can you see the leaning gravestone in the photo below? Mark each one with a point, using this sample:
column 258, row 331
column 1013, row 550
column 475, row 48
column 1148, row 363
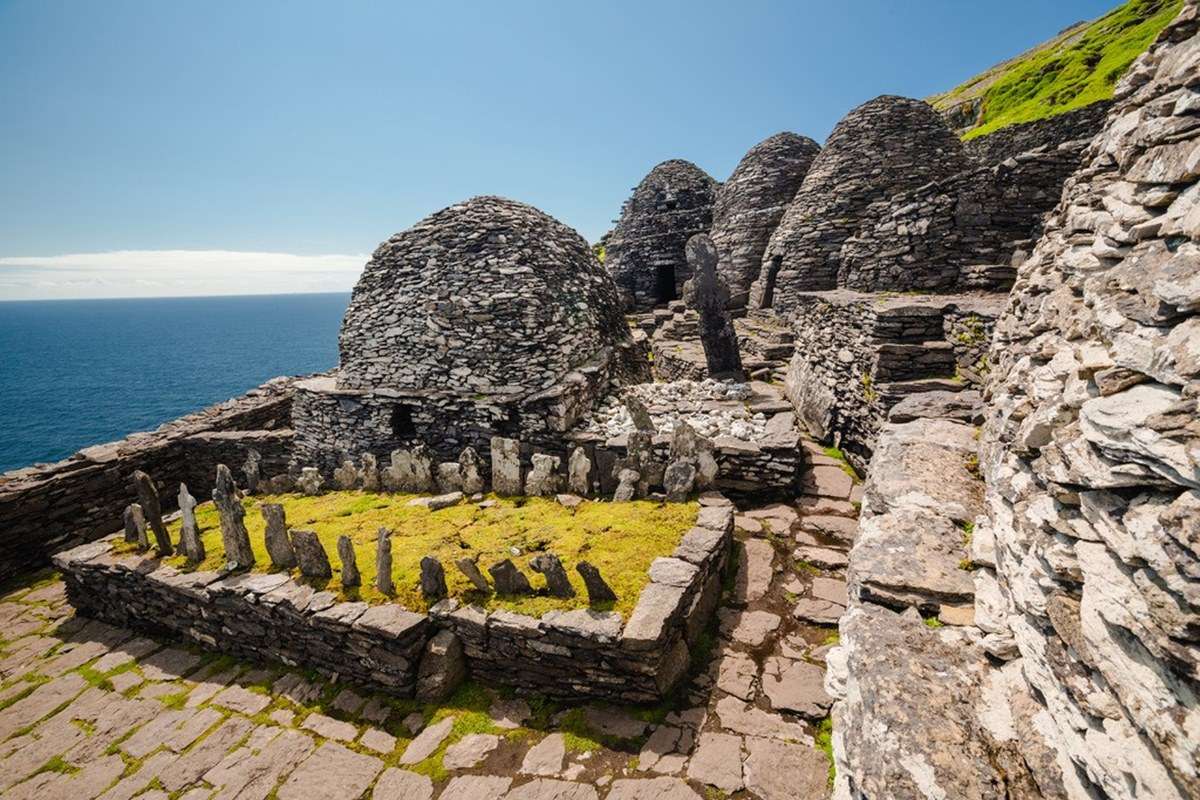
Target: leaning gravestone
column 433, row 579
column 469, row 568
column 506, row 466
column 710, row 299
column 135, row 526
column 314, row 563
column 383, row 563
column 597, row 588
column 234, row 537
column 148, row 498
column 350, row 574
column 557, row 582
column 638, row 413
column 508, row 579
column 279, row 546
column 190, row 543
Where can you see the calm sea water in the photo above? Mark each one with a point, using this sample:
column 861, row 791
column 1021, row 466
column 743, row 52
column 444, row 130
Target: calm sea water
column 74, row 373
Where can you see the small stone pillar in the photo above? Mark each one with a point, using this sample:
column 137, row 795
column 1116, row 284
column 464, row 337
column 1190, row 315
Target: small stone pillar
column 368, row 476
column 679, row 480
column 468, row 468
column 579, row 472
column 557, row 582
column 598, row 590
column 350, row 574
column 310, row 481
column 345, row 477
column 627, row 483
column 135, row 526
column 383, row 563
column 543, row 480
column 252, row 469
column 279, row 545
column 234, row 537
column 469, row 568
column 433, row 579
column 710, row 298
column 449, row 477
column 508, row 579
column 148, row 498
column 506, row 466
column 314, row 563
column 190, row 543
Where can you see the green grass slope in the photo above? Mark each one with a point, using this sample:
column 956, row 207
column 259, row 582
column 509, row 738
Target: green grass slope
column 1078, row 67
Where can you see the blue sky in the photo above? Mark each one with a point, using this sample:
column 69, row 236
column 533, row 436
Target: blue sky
column 263, row 134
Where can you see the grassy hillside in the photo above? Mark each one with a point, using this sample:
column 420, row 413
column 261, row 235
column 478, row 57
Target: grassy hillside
column 1076, row 68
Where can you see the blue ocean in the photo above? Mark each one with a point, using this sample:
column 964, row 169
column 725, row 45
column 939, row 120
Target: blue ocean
column 74, row 373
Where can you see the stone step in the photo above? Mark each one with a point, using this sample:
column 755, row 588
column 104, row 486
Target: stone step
column 896, row 361
column 892, row 392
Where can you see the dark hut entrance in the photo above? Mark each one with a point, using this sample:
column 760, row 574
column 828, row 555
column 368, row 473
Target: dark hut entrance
column 664, row 284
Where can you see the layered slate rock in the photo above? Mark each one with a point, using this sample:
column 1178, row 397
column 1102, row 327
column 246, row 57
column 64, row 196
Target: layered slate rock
column 1092, row 445
column 751, row 203
column 645, row 253
column 487, row 296
column 884, row 146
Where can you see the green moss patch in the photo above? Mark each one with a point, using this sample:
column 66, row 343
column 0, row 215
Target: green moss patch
column 621, row 539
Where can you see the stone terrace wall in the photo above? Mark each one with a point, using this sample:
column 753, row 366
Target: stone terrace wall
column 751, row 203
column 858, row 355
column 926, row 239
column 645, row 253
column 571, row 655
column 885, row 146
column 1082, row 123
column 48, row 507
column 1092, row 446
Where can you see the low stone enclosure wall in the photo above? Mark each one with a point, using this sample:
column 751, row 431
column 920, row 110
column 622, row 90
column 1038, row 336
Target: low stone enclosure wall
column 578, row 654
column 858, row 355
column 1082, row 123
column 47, row 507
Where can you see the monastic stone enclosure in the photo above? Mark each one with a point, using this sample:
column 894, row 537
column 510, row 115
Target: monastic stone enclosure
column 488, row 317
column 645, row 253
column 752, row 202
column 884, row 146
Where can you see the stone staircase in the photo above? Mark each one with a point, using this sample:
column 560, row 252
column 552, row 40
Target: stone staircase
column 912, row 353
column 765, row 342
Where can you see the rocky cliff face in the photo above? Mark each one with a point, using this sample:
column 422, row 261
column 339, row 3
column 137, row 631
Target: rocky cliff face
column 1092, row 447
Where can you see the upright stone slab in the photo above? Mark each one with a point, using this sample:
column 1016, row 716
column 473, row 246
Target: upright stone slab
column 579, row 472
column 234, row 537
column 679, row 480
column 350, row 574
column 383, row 563
column 627, row 485
column 469, row 568
column 252, row 470
column 346, row 476
column 411, row 470
column 688, row 445
column 638, row 412
column 368, row 474
column 506, row 466
column 468, row 469
column 433, row 579
column 148, row 498
column 314, row 563
column 279, row 545
column 710, row 298
column 508, row 579
column 310, row 481
column 599, row 592
column 190, row 543
column 543, row 479
column 557, row 582
column 135, row 526
column 449, row 477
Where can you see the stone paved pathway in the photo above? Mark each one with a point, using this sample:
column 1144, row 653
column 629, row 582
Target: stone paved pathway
column 92, row 711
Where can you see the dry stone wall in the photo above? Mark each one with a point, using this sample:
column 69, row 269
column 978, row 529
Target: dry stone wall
column 1012, row 140
column 645, row 253
column 885, row 146
column 751, row 203
column 48, row 507
column 1092, row 447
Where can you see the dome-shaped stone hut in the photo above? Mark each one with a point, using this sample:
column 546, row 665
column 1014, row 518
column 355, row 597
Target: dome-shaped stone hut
column 751, row 203
column 884, row 146
column 645, row 254
column 486, row 318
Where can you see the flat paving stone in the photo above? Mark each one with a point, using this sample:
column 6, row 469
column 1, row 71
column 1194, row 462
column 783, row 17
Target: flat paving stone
column 750, row 628
column 652, row 789
column 427, row 742
column 665, row 751
column 168, row 664
column 470, row 751
column 738, row 717
column 238, row 698
column 475, row 787
column 796, row 686
column 830, row 589
column 546, row 789
column 332, row 772
column 736, row 675
column 379, row 741
column 823, row 557
column 400, row 784
column 546, row 757
column 718, row 761
column 818, row 612
column 827, row 481
column 843, row 529
column 248, row 775
column 330, row 728
column 777, row 770
column 754, row 571
column 39, row 703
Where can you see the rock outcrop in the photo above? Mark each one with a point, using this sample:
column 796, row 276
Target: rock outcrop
column 751, row 203
column 1092, row 446
column 645, row 253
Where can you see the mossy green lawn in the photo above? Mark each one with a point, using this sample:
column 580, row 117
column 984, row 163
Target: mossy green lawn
column 1080, row 71
column 621, row 539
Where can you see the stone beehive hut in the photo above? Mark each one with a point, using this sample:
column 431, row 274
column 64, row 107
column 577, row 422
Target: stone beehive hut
column 885, row 146
column 645, row 254
column 752, row 202
column 488, row 317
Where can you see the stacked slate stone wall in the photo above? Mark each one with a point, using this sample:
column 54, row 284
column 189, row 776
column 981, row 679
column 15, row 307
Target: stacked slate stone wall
column 489, row 297
column 1092, row 447
column 45, row 508
column 1049, row 133
column 572, row 655
column 645, row 253
column 930, row 238
column 888, row 145
column 751, row 203
column 857, row 355
column 252, row 616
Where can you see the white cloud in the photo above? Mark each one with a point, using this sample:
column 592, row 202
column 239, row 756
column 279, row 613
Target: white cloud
column 174, row 273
